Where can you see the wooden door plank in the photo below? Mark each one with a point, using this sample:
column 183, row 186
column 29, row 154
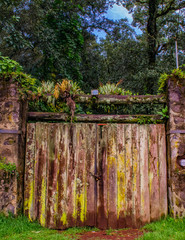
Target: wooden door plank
column 72, row 175
column 129, row 172
column 112, row 175
column 29, row 183
column 41, row 172
column 145, row 195
column 102, row 184
column 121, row 177
column 80, row 180
column 91, row 138
column 153, row 173
column 52, row 195
column 61, row 159
column 162, row 170
column 136, row 175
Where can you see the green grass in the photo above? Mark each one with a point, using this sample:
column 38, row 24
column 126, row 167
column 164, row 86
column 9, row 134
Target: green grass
column 20, row 228
column 167, row 229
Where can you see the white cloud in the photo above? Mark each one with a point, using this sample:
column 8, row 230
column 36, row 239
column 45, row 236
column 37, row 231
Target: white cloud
column 117, row 12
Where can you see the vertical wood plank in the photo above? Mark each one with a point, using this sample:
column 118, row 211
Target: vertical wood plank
column 102, row 184
column 29, row 173
column 53, row 129
column 41, row 172
column 62, row 156
column 153, row 173
column 136, row 175
column 129, row 172
column 90, row 136
column 121, row 177
column 144, row 181
column 72, row 175
column 80, row 181
column 112, row 176
column 162, row 170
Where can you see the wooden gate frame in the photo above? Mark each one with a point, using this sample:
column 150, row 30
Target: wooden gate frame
column 13, row 117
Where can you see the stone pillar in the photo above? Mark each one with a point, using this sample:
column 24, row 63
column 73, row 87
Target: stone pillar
column 176, row 146
column 12, row 142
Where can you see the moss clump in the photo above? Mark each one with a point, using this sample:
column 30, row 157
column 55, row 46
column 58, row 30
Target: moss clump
column 176, row 75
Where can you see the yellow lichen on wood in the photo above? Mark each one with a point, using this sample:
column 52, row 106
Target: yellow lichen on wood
column 134, row 169
column 43, row 203
column 64, row 219
column 121, row 200
column 81, row 202
column 28, row 203
column 74, row 200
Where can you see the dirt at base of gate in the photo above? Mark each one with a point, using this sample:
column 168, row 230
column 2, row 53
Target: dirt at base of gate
column 125, row 234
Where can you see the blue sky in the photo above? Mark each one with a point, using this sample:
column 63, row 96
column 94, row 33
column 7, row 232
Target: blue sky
column 115, row 13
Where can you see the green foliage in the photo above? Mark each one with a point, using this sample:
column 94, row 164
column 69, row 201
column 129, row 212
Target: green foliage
column 164, row 113
column 19, row 228
column 9, row 168
column 145, row 120
column 8, row 65
column 175, row 75
column 166, row 229
column 113, row 89
column 11, row 70
column 163, row 83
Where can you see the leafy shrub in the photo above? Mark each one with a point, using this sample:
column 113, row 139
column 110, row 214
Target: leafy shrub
column 8, row 167
column 11, row 70
column 176, row 74
column 113, row 89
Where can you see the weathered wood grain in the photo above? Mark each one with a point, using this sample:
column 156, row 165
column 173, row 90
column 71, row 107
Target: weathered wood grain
column 41, row 172
column 129, row 172
column 62, row 167
column 153, row 173
column 120, row 99
column 29, row 184
column 136, row 175
column 85, row 118
column 144, row 179
column 112, row 175
column 72, row 175
column 90, row 139
column 121, row 176
column 80, row 181
column 102, row 183
column 162, row 170
column 109, row 176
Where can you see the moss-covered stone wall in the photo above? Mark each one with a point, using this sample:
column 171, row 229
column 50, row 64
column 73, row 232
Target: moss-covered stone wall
column 12, row 132
column 176, row 146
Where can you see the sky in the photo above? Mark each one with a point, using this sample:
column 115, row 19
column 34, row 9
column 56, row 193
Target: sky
column 116, row 13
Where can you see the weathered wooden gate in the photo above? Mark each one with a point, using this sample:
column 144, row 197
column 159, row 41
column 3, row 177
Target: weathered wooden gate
column 111, row 175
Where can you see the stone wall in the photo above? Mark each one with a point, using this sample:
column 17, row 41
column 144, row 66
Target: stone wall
column 176, row 146
column 12, row 133
column 8, row 192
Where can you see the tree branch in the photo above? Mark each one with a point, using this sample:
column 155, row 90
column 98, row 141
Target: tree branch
column 171, row 7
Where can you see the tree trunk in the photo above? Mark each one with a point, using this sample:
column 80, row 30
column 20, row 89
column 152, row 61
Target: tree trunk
column 152, row 31
column 152, row 37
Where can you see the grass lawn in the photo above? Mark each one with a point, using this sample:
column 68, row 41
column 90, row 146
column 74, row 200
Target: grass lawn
column 21, row 229
column 167, row 229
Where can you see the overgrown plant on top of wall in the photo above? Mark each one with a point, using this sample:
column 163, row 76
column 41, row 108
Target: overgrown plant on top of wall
column 175, row 75
column 60, row 96
column 11, row 70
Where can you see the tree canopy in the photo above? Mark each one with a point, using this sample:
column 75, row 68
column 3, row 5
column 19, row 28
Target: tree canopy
column 54, row 39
